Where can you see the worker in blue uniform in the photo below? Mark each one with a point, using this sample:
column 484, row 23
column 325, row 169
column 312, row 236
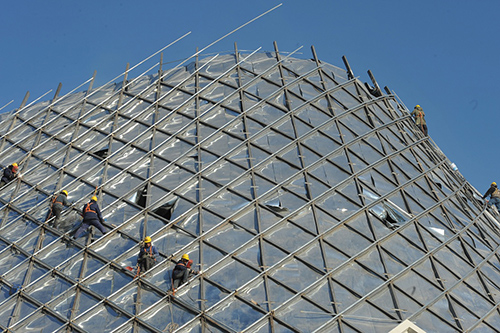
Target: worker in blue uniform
column 91, row 216
column 182, row 271
column 147, row 255
column 9, row 174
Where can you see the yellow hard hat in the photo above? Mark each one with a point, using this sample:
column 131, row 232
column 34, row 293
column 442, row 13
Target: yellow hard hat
column 14, row 165
column 185, row 256
column 494, row 183
column 147, row 239
column 65, row 192
column 417, row 106
column 94, row 198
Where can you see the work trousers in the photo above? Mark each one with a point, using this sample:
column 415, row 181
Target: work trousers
column 180, row 277
column 55, row 211
column 146, row 262
column 88, row 223
column 495, row 201
column 423, row 128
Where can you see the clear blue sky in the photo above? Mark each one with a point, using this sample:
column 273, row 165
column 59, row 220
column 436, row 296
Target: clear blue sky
column 443, row 55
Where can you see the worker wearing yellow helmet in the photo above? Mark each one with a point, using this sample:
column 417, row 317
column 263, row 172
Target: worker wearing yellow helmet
column 147, row 255
column 182, row 271
column 494, row 194
column 56, row 207
column 91, row 216
column 9, row 174
column 419, row 116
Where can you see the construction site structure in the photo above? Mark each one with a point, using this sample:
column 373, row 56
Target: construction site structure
column 309, row 200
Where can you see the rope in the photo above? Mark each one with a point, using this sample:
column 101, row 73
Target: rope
column 138, row 271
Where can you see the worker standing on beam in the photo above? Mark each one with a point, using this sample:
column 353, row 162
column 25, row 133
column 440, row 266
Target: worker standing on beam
column 147, row 256
column 91, row 216
column 9, row 174
column 419, row 115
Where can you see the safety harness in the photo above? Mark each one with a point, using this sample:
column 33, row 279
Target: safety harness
column 52, row 206
column 421, row 116
column 150, row 255
column 88, row 210
column 54, row 200
column 185, row 264
column 150, row 251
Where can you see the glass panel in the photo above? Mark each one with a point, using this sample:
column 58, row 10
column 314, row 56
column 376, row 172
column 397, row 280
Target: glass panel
column 57, row 253
column 357, row 279
column 303, row 315
column 415, row 286
column 48, row 288
column 165, row 314
column 289, row 237
column 229, row 237
column 349, row 241
column 113, row 246
column 235, row 314
column 38, row 322
column 232, row 274
column 128, row 298
column 101, row 319
column 107, row 281
column 295, row 274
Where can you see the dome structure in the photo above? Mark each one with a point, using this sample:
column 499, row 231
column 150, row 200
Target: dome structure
column 309, row 201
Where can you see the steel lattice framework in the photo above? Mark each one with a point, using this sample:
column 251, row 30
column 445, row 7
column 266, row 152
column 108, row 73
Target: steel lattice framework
column 310, row 201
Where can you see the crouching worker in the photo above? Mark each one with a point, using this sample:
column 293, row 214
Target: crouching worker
column 9, row 174
column 182, row 271
column 147, row 256
column 57, row 205
column 91, row 216
column 494, row 193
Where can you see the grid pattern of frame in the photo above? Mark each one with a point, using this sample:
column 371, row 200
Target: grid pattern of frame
column 309, row 204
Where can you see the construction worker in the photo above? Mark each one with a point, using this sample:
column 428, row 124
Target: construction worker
column 9, row 174
column 147, row 255
column 57, row 205
column 419, row 115
column 91, row 216
column 182, row 271
column 494, row 194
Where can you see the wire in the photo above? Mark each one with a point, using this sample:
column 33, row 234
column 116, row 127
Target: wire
column 371, row 318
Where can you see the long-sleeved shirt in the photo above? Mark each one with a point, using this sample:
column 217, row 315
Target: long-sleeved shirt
column 151, row 250
column 8, row 174
column 493, row 192
column 61, row 200
column 91, row 211
column 418, row 114
column 183, row 265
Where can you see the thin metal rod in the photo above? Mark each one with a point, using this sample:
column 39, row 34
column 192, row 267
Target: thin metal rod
column 241, row 26
column 101, row 87
column 6, row 104
column 181, row 62
column 229, row 33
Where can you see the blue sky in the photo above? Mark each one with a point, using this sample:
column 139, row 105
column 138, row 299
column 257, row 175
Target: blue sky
column 442, row 55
